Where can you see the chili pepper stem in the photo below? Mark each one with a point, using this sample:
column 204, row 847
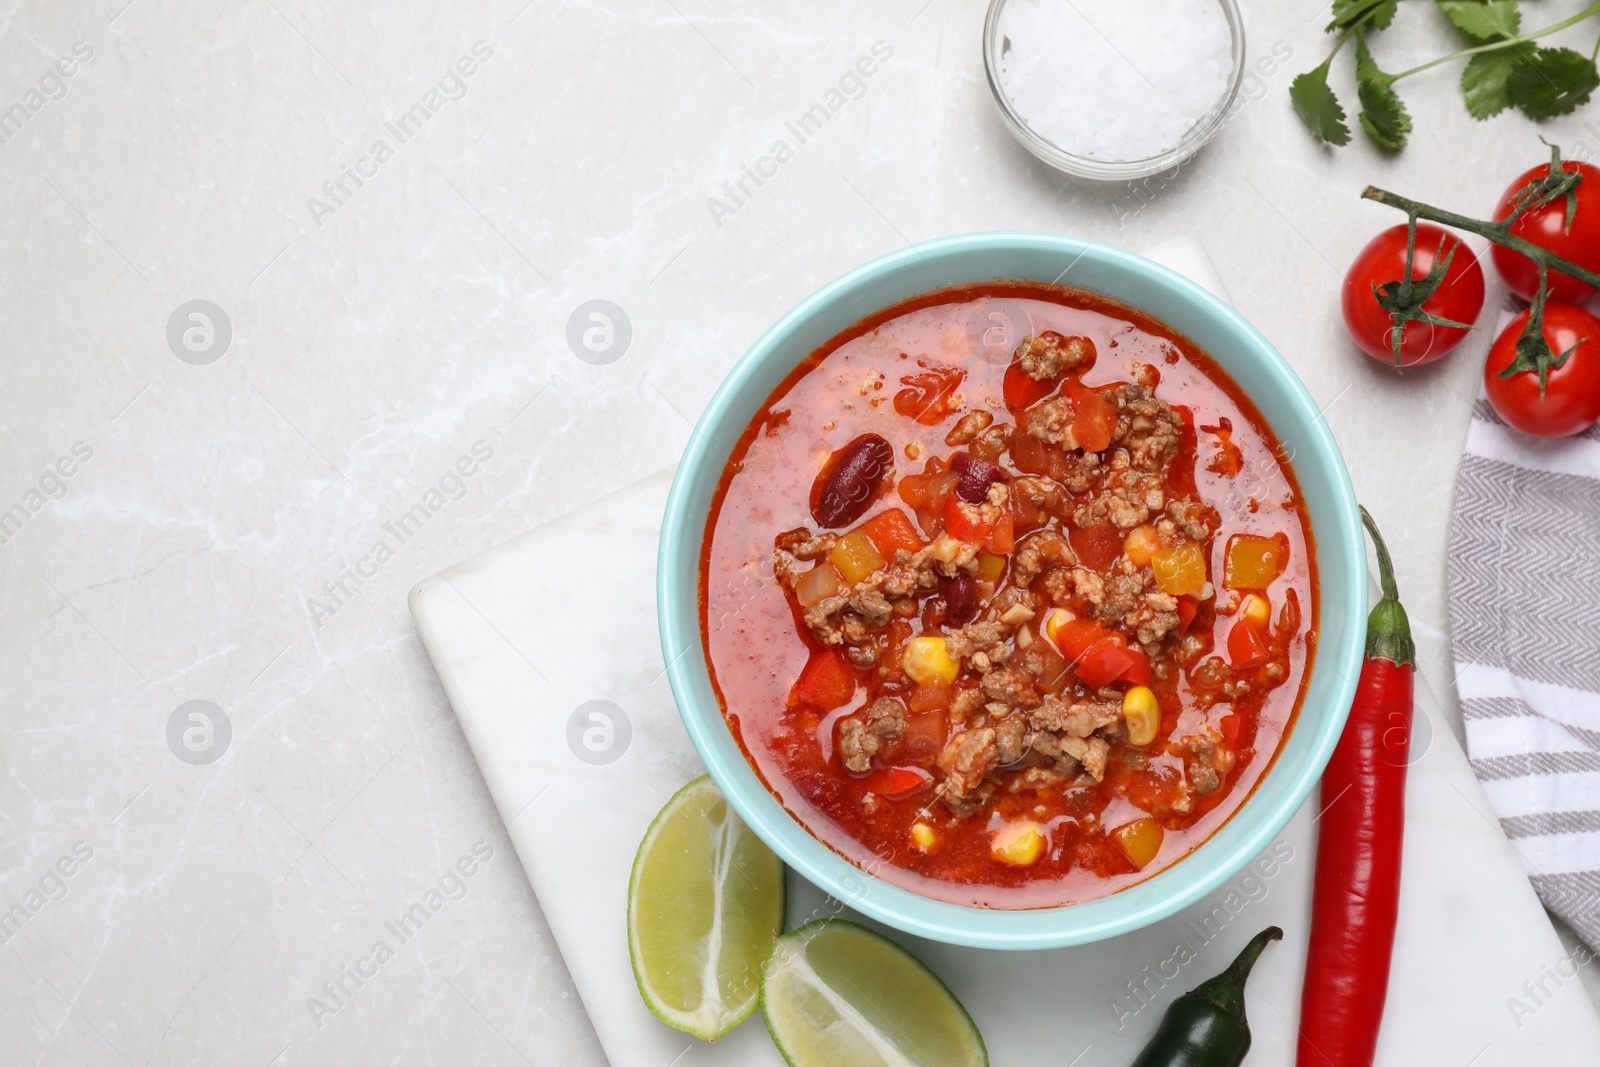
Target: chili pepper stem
column 1226, row 990
column 1388, row 628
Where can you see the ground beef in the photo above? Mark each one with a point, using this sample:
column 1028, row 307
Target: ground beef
column 861, row 735
column 1044, row 495
column 801, row 543
column 1207, row 763
column 1013, row 606
column 1127, row 598
column 1148, row 428
column 1126, row 498
column 1079, row 719
column 1011, row 686
column 1038, row 551
column 966, row 761
column 1051, row 422
column 976, row 637
column 1058, row 585
column 1050, row 355
column 1033, row 779
column 1011, row 739
column 1193, row 519
column 968, row 427
column 1090, row 752
column 1048, row 745
column 993, row 442
column 964, row 703
column 853, row 617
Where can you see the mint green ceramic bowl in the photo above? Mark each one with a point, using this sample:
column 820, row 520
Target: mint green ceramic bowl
column 1258, row 369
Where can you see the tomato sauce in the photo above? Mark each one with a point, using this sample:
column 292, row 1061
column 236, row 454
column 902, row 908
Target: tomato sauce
column 908, row 374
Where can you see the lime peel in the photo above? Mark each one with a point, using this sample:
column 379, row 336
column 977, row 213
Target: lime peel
column 703, row 889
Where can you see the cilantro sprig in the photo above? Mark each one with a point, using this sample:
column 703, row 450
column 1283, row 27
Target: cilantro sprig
column 1505, row 69
column 1403, row 299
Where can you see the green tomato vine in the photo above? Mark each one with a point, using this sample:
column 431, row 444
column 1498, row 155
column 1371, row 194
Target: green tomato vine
column 1404, row 298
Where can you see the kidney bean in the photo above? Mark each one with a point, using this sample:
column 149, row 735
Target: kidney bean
column 974, row 477
column 850, row 480
column 960, row 601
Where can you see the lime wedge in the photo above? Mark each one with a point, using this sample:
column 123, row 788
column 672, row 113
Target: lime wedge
column 704, row 903
column 837, row 994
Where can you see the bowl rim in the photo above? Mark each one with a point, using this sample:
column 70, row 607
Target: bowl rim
column 905, row 909
column 1114, row 170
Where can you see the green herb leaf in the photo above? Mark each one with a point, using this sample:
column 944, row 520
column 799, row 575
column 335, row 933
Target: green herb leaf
column 1383, row 114
column 1318, row 108
column 1484, row 82
column 1551, row 81
column 1347, row 13
column 1487, row 20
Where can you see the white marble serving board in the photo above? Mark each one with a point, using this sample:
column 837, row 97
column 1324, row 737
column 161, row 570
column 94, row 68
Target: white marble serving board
column 524, row 636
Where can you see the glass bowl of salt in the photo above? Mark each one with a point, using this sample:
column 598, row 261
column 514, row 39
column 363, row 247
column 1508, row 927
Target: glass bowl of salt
column 1114, row 89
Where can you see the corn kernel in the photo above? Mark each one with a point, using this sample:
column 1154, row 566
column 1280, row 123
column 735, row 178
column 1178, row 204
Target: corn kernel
column 1053, row 621
column 1018, row 844
column 1256, row 609
column 927, row 658
column 1143, row 713
column 1141, row 545
column 923, row 837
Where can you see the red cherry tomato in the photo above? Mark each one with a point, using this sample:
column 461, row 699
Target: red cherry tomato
column 1571, row 401
column 1546, row 227
column 1458, row 298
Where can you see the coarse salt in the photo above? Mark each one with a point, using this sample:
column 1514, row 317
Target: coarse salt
column 1115, row 80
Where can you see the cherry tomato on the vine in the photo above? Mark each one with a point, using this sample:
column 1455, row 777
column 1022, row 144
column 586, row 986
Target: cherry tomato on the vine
column 1546, row 226
column 1458, row 298
column 1571, row 400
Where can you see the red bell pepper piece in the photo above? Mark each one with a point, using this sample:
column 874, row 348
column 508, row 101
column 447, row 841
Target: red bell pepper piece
column 1094, row 420
column 891, row 530
column 1246, row 647
column 896, row 783
column 826, row 682
column 1022, row 391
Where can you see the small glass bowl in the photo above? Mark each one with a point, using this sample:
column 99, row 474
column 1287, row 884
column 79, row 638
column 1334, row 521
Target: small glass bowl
column 994, row 46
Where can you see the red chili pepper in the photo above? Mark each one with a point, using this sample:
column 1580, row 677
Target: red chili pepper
column 1357, row 894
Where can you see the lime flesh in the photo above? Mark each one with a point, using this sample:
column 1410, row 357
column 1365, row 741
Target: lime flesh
column 836, row 994
column 704, row 904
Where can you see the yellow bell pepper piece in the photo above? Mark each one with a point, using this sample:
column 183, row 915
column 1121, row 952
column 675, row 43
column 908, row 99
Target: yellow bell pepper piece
column 927, row 658
column 1139, row 840
column 1253, row 562
column 855, row 556
column 1181, row 570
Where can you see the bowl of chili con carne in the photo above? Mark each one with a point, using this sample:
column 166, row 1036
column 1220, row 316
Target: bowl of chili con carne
column 1012, row 589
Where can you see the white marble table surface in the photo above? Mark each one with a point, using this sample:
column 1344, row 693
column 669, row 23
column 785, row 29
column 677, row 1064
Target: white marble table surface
column 207, row 528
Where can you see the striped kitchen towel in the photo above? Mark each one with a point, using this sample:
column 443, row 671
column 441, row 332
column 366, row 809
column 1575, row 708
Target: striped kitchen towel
column 1525, row 616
